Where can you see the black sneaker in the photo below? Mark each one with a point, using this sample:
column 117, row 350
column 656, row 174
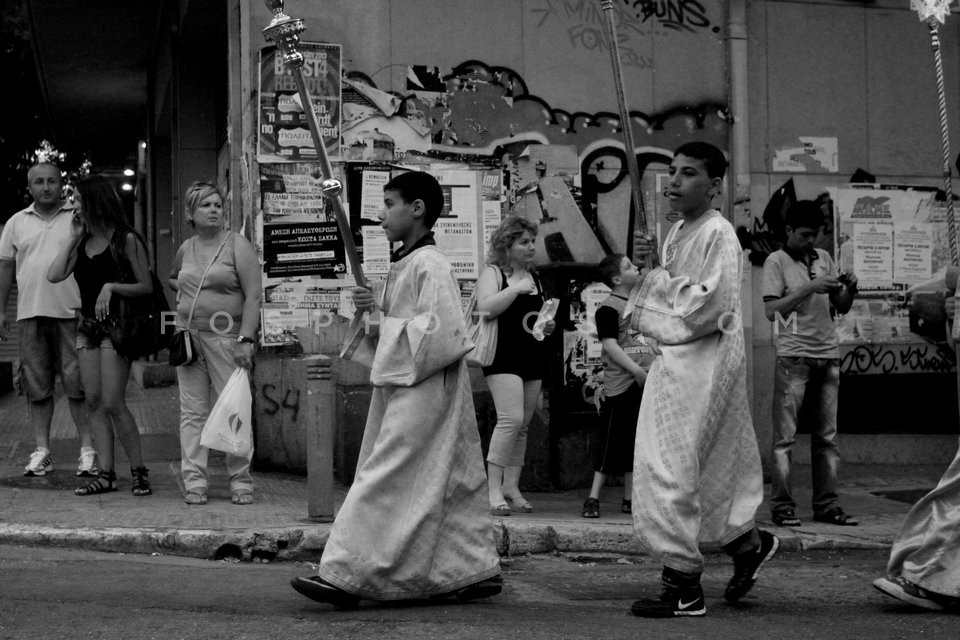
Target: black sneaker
column 746, row 566
column 591, row 508
column 673, row 602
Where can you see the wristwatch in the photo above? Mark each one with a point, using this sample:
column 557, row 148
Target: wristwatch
column 242, row 339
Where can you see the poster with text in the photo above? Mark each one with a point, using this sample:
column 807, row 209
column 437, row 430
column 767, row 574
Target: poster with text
column 894, row 238
column 303, row 249
column 283, row 134
column 873, row 258
column 457, row 231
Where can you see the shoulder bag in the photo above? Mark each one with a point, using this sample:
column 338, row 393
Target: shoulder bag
column 137, row 325
column 181, row 345
column 481, row 330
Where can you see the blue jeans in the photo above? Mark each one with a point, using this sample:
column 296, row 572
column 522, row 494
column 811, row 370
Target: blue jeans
column 810, row 384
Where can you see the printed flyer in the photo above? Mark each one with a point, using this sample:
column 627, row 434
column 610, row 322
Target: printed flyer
column 283, row 132
column 895, row 239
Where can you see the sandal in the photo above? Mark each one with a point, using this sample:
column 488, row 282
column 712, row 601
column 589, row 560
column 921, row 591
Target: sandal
column 105, row 483
column 786, row 518
column 626, row 506
column 591, row 508
column 195, row 496
column 242, row 497
column 836, row 516
column 141, row 486
column 520, row 505
column 500, row 510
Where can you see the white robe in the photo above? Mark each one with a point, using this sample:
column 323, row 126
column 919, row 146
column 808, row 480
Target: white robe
column 927, row 550
column 696, row 475
column 416, row 522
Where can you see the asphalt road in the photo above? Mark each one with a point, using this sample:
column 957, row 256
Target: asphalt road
column 48, row 593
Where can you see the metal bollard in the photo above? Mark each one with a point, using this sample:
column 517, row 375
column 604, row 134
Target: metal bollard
column 321, row 412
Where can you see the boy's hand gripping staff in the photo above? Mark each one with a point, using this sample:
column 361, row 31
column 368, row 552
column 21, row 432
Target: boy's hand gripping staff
column 285, row 31
column 640, row 218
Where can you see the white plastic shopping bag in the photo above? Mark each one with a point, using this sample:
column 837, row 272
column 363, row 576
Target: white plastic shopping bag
column 228, row 426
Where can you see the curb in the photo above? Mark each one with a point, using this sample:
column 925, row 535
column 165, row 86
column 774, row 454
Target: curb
column 283, row 543
column 306, row 543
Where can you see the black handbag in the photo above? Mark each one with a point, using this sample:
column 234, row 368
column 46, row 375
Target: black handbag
column 181, row 349
column 136, row 327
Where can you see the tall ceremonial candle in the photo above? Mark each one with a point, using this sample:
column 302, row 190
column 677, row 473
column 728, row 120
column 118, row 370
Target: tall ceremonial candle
column 933, row 13
column 633, row 169
column 285, row 31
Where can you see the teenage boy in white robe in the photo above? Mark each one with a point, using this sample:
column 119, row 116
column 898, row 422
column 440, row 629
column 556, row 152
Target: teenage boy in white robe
column 415, row 524
column 924, row 565
column 696, row 472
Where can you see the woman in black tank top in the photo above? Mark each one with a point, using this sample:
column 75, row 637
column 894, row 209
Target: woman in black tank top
column 101, row 248
column 510, row 293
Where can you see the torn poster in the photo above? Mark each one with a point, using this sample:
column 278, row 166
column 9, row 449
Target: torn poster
column 812, row 154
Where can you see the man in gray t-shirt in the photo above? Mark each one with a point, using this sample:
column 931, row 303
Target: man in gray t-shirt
column 800, row 285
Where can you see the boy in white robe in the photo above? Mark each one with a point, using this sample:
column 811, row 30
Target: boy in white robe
column 415, row 523
column 696, row 473
column 924, row 565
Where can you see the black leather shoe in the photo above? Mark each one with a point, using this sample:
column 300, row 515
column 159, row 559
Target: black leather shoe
column 483, row 589
column 316, row 588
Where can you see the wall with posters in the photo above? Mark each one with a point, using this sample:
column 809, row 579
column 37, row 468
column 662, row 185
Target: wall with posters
column 511, row 104
column 558, row 48
column 836, row 87
column 828, row 86
column 548, row 118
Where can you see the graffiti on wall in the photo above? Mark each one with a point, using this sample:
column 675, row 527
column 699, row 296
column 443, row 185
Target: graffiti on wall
column 483, row 108
column 866, row 359
column 679, row 15
column 486, row 114
column 583, row 22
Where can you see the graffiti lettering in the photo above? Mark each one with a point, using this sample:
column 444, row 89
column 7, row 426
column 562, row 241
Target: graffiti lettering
column 685, row 15
column 270, row 405
column 916, row 359
column 592, row 38
column 903, row 358
column 290, row 401
column 869, row 358
column 294, row 404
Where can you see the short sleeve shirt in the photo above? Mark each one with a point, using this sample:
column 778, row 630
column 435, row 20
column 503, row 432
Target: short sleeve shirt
column 814, row 334
column 33, row 243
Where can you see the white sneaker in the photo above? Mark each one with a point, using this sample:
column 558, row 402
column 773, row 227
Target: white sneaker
column 88, row 463
column 40, row 462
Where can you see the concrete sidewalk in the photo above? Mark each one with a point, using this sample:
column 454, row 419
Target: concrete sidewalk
column 44, row 511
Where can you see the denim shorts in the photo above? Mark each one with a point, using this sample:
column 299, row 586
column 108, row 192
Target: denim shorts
column 48, row 345
column 93, row 334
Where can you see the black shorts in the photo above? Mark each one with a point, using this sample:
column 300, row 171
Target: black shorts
column 614, row 453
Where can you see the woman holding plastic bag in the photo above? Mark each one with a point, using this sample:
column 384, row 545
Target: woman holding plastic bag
column 109, row 261
column 509, row 293
column 217, row 278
